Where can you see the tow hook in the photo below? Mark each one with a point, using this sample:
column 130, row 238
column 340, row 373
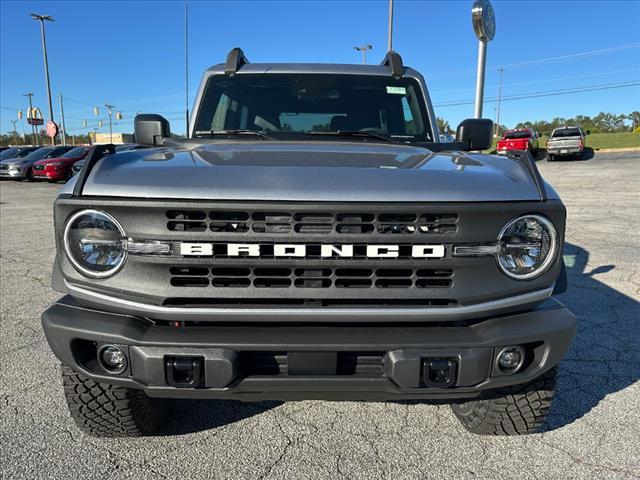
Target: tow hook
column 439, row 372
column 184, row 372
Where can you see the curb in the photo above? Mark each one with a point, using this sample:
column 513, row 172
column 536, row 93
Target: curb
column 607, row 150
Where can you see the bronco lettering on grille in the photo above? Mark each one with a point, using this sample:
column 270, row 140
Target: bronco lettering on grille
column 188, row 249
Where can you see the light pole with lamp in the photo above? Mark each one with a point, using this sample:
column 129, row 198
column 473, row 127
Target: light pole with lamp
column 484, row 26
column 364, row 49
column 42, row 19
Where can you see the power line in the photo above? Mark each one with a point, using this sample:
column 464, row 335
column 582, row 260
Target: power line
column 540, row 61
column 548, row 93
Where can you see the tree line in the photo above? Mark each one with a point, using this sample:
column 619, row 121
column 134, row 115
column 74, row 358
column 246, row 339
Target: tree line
column 604, row 122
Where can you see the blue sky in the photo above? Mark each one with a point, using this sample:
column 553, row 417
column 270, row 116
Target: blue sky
column 131, row 54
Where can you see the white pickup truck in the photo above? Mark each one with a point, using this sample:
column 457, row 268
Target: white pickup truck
column 566, row 141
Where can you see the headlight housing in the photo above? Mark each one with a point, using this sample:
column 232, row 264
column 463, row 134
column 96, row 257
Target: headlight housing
column 528, row 245
column 93, row 243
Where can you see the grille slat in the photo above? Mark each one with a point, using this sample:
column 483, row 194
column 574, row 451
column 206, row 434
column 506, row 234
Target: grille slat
column 319, row 278
column 309, row 223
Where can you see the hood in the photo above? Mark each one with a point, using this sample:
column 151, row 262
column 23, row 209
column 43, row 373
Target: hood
column 309, row 171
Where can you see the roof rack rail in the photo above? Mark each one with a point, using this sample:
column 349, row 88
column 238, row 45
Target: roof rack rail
column 235, row 60
column 393, row 60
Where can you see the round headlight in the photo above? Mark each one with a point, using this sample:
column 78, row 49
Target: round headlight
column 93, row 243
column 528, row 246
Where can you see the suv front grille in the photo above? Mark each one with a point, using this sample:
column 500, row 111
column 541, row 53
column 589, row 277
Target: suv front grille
column 285, row 223
column 309, row 277
column 361, row 364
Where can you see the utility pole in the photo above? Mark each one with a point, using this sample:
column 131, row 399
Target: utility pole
column 64, row 130
column 390, row 45
column 33, row 127
column 501, row 70
column 109, row 107
column 14, row 133
column 364, row 49
column 42, row 19
column 186, row 65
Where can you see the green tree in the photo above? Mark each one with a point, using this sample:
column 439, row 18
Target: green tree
column 443, row 125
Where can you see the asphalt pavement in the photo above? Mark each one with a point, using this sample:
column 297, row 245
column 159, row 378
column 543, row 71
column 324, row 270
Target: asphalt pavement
column 593, row 431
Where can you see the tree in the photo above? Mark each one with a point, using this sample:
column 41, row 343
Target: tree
column 443, row 125
column 635, row 119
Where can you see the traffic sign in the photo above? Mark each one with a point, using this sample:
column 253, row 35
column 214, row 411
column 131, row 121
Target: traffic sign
column 52, row 129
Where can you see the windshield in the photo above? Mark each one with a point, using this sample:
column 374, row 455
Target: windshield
column 518, row 134
column 566, row 132
column 40, row 153
column 75, row 152
column 288, row 106
column 8, row 153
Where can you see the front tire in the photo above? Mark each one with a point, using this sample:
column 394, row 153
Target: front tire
column 29, row 175
column 104, row 410
column 515, row 410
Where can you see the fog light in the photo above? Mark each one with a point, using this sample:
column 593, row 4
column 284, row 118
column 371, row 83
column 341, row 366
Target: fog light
column 113, row 359
column 510, row 359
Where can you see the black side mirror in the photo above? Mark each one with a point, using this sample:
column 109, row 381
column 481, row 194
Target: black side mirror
column 475, row 133
column 149, row 129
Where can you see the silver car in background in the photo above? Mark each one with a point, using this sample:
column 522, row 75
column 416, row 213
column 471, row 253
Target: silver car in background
column 22, row 168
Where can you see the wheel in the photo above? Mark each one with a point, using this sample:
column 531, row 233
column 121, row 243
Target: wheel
column 104, row 410
column 550, row 158
column 516, row 410
column 29, row 175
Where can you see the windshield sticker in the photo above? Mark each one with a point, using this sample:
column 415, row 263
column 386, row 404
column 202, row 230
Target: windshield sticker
column 396, row 90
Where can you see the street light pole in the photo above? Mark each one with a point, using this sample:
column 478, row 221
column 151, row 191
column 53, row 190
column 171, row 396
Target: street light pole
column 33, row 127
column 484, row 25
column 390, row 44
column 109, row 107
column 42, row 19
column 364, row 49
column 64, row 130
column 501, row 70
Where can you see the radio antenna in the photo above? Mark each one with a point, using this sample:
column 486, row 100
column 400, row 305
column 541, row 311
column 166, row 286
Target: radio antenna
column 186, row 65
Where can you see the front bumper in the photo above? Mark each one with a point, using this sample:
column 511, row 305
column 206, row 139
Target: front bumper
column 49, row 174
column 12, row 173
column 312, row 360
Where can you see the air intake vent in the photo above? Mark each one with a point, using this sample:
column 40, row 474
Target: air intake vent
column 310, row 223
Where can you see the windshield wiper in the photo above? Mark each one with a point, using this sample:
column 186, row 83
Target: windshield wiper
column 234, row 132
column 350, row 133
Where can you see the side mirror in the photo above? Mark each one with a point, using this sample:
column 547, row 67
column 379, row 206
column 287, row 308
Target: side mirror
column 588, row 132
column 149, row 129
column 475, row 133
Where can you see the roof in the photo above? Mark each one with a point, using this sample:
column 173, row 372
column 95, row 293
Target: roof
column 328, row 68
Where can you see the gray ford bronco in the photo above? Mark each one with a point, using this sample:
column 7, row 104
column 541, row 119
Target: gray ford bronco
column 311, row 238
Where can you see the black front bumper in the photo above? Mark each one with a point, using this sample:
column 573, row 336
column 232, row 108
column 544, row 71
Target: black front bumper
column 310, row 361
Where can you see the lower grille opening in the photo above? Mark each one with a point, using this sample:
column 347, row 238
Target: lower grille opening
column 362, row 364
column 199, row 302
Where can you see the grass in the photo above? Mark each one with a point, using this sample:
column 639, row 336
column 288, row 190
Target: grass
column 601, row 140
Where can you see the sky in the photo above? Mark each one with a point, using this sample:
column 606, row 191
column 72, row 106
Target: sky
column 131, row 54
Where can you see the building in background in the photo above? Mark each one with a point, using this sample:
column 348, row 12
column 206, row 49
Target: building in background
column 116, row 138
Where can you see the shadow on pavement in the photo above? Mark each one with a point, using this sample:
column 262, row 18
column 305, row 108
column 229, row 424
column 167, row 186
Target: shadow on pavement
column 604, row 357
column 199, row 415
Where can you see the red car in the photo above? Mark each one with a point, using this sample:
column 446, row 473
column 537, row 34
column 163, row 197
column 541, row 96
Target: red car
column 519, row 139
column 54, row 169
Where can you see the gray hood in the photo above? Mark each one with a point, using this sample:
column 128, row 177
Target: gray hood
column 310, row 171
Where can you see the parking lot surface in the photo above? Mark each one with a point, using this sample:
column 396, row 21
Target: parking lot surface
column 593, row 432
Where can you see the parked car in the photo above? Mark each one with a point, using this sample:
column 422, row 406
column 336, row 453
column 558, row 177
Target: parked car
column 22, row 168
column 566, row 141
column 55, row 169
column 16, row 152
column 447, row 138
column 247, row 269
column 76, row 167
column 519, row 139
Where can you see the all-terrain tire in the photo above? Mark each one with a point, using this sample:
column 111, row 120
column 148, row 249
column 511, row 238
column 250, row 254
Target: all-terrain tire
column 516, row 410
column 104, row 410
